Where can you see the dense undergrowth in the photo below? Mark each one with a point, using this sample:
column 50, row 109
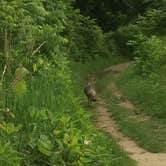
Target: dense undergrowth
column 144, row 41
column 47, row 48
column 42, row 122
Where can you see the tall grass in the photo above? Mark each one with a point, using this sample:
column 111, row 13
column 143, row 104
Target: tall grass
column 148, row 94
column 47, row 126
column 149, row 132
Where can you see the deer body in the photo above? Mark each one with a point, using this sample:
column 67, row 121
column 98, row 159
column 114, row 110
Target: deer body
column 90, row 92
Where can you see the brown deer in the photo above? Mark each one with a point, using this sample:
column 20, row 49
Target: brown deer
column 89, row 91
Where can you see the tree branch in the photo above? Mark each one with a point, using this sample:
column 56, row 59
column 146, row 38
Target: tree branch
column 4, row 71
column 38, row 48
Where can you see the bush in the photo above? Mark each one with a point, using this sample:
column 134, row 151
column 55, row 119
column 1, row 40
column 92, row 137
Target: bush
column 41, row 120
column 86, row 39
column 123, row 35
column 153, row 21
column 110, row 45
column 149, row 53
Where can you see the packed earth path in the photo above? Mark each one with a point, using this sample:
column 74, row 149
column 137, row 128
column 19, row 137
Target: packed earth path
column 106, row 122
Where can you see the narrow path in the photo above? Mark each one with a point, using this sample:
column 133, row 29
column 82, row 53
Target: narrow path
column 107, row 123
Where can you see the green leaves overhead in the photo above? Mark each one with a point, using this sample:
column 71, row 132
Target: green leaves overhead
column 115, row 13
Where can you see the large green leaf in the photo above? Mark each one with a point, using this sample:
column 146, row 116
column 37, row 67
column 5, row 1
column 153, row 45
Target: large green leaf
column 45, row 146
column 20, row 87
column 10, row 128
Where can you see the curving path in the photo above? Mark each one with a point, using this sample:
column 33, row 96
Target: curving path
column 108, row 124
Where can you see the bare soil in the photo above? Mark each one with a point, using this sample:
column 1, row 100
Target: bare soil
column 108, row 124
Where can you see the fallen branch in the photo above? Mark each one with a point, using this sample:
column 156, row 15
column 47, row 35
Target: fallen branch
column 4, row 71
column 38, row 48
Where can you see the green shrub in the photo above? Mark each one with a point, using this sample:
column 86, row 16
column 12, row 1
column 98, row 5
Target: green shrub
column 149, row 53
column 8, row 155
column 110, row 45
column 86, row 39
column 152, row 22
column 123, row 35
column 41, row 121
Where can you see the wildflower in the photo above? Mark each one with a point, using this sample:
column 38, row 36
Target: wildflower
column 87, row 142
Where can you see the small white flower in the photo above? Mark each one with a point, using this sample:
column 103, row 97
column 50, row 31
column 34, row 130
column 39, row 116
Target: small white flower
column 7, row 110
column 87, row 142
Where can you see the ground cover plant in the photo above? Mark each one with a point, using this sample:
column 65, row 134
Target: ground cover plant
column 47, row 49
column 42, row 121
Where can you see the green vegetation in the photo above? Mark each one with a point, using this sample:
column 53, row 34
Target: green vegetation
column 90, row 68
column 42, row 122
column 47, row 49
column 149, row 132
column 148, row 94
column 142, row 39
column 119, row 157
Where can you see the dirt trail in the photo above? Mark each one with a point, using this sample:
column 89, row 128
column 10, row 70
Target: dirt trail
column 107, row 123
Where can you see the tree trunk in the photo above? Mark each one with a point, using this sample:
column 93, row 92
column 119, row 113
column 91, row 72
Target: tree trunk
column 7, row 38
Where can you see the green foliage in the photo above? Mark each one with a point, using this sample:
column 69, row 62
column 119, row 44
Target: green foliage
column 45, row 146
column 41, row 120
column 123, row 35
column 149, row 53
column 8, row 156
column 9, row 127
column 86, row 39
column 148, row 128
column 20, row 88
column 149, row 94
column 111, row 15
column 111, row 46
column 152, row 22
column 99, row 144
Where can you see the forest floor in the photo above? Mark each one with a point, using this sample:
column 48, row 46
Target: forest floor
column 107, row 122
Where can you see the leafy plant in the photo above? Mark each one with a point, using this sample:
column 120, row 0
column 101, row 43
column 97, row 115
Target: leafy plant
column 86, row 39
column 8, row 156
column 149, row 53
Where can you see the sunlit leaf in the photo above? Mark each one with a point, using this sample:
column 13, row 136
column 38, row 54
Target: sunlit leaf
column 20, row 88
column 45, row 145
column 10, row 128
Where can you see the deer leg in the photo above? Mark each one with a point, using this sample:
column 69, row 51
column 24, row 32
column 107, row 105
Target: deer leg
column 88, row 101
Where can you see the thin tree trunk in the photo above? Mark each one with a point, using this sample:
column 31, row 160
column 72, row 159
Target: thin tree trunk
column 7, row 38
column 7, row 47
